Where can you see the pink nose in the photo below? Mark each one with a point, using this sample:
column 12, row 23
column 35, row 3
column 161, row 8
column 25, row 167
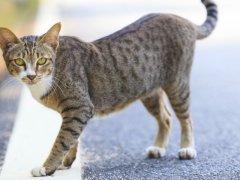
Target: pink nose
column 31, row 77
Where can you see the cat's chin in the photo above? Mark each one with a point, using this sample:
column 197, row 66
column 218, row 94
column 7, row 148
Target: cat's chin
column 30, row 83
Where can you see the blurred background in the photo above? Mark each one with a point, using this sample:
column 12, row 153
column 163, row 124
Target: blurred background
column 215, row 85
column 20, row 17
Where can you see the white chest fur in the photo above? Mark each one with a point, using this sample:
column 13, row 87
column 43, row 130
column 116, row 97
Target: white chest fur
column 41, row 88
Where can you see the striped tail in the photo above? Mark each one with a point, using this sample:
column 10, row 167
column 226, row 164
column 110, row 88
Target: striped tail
column 210, row 23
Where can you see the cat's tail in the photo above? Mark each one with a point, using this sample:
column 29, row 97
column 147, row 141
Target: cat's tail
column 210, row 23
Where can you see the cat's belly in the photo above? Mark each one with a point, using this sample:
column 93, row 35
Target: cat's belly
column 106, row 107
column 110, row 109
column 116, row 98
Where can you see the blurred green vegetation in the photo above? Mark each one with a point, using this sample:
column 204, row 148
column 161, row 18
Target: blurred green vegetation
column 19, row 16
column 14, row 13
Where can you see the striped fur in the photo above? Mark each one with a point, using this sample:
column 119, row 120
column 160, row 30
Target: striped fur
column 148, row 60
column 212, row 16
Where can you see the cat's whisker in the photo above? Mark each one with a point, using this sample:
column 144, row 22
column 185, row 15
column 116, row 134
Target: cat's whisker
column 8, row 91
column 55, row 86
column 6, row 82
column 58, row 80
column 46, row 90
column 52, row 85
column 10, row 94
column 55, row 91
column 55, row 83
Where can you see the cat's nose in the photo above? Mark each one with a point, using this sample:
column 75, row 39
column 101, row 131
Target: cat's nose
column 31, row 77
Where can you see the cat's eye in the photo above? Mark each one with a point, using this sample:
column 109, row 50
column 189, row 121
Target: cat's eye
column 42, row 61
column 19, row 62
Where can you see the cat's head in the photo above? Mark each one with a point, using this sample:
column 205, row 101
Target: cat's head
column 30, row 58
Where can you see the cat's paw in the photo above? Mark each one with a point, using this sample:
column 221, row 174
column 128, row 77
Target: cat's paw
column 187, row 153
column 41, row 171
column 155, row 152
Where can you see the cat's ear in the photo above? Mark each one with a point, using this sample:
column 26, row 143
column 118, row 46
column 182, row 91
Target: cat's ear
column 51, row 37
column 7, row 38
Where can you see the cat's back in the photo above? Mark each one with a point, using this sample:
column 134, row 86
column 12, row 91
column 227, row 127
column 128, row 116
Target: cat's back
column 152, row 26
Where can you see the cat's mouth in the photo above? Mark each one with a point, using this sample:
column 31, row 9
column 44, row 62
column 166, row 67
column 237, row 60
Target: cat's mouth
column 30, row 82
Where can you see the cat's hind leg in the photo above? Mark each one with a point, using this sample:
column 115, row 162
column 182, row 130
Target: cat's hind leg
column 156, row 105
column 179, row 96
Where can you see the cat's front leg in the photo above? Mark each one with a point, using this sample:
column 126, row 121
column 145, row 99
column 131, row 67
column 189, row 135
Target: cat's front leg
column 74, row 121
column 69, row 158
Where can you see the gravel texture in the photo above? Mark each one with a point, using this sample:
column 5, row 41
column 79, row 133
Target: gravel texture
column 9, row 96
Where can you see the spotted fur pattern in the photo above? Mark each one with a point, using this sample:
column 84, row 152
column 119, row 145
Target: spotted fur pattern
column 147, row 60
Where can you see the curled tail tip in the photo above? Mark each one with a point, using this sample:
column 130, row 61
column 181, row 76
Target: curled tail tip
column 210, row 23
column 206, row 2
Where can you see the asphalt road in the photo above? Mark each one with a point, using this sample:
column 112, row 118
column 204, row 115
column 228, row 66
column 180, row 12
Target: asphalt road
column 9, row 97
column 114, row 147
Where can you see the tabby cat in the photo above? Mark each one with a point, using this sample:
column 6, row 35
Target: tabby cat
column 146, row 60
